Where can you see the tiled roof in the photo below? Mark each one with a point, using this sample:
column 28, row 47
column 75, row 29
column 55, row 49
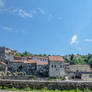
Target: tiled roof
column 17, row 61
column 42, row 63
column 56, row 58
column 3, row 63
column 29, row 61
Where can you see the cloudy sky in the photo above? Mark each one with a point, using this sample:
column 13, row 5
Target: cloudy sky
column 47, row 26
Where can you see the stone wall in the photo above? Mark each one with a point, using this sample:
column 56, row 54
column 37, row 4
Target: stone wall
column 64, row 85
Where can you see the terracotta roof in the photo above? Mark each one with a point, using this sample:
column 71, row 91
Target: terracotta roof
column 3, row 63
column 17, row 61
column 56, row 58
column 42, row 63
column 30, row 61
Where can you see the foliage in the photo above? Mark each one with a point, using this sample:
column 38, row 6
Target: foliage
column 43, row 90
column 2, row 67
column 79, row 59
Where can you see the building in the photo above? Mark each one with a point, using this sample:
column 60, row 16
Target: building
column 30, row 67
column 56, row 66
column 41, row 59
column 66, row 67
column 5, row 54
column 86, row 76
column 79, row 68
column 42, row 69
column 20, row 58
column 15, row 65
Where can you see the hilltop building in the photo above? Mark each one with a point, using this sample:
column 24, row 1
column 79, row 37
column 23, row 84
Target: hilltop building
column 5, row 54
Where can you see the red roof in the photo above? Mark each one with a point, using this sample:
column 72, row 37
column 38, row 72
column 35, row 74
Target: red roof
column 3, row 63
column 30, row 61
column 42, row 63
column 56, row 58
column 17, row 61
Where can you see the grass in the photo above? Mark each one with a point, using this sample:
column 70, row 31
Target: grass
column 43, row 90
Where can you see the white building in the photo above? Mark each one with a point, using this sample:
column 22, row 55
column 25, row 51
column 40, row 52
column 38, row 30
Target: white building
column 56, row 66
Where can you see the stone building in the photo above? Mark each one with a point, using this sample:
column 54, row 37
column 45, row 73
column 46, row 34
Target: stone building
column 79, row 68
column 66, row 68
column 15, row 65
column 87, row 76
column 30, row 67
column 56, row 66
column 20, row 58
column 42, row 69
column 5, row 54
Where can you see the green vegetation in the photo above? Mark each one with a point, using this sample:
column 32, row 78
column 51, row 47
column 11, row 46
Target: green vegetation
column 54, row 79
column 28, row 54
column 2, row 67
column 79, row 59
column 43, row 90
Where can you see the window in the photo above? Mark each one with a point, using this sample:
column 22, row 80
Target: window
column 55, row 66
column 61, row 66
column 52, row 66
column 90, row 76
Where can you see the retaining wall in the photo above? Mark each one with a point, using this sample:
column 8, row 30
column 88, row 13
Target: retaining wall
column 45, row 84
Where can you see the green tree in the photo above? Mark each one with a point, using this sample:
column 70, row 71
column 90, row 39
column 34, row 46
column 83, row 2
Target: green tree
column 90, row 62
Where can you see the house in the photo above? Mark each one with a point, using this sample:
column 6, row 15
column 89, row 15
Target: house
column 30, row 66
column 79, row 68
column 20, row 58
column 5, row 54
column 42, row 69
column 15, row 65
column 86, row 76
column 41, row 59
column 56, row 66
column 66, row 67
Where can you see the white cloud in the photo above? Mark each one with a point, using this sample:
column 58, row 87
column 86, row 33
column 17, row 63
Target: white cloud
column 19, row 12
column 24, row 14
column 1, row 3
column 74, row 39
column 10, row 29
column 6, row 28
column 88, row 40
column 41, row 11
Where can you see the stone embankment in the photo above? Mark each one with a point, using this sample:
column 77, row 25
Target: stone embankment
column 46, row 84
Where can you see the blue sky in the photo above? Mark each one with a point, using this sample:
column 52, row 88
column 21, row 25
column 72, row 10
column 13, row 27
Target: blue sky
column 47, row 26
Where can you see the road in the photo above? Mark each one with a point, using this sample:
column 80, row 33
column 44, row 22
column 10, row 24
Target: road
column 10, row 91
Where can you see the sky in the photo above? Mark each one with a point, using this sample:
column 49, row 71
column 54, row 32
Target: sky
column 56, row 27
